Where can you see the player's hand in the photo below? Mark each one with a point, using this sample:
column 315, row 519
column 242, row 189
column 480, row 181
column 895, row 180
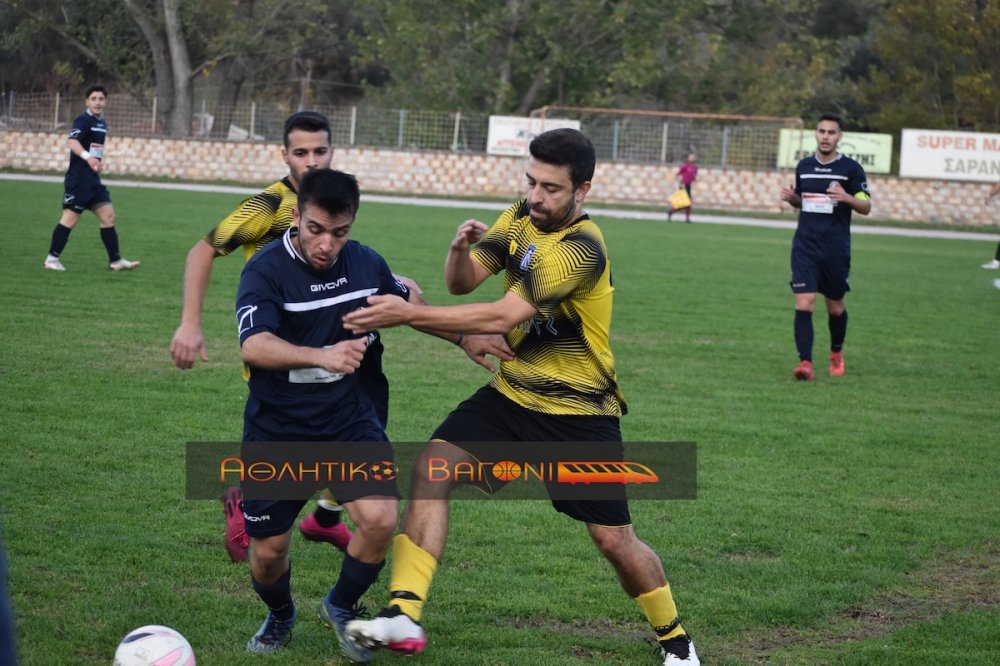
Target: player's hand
column 494, row 344
column 382, row 312
column 187, row 345
column 94, row 164
column 345, row 356
column 469, row 233
column 788, row 193
column 837, row 193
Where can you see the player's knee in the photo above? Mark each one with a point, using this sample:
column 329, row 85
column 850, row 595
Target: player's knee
column 611, row 541
column 805, row 302
column 269, row 557
column 378, row 519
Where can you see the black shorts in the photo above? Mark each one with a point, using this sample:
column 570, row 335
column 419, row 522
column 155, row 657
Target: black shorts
column 270, row 517
column 80, row 196
column 350, row 470
column 484, row 422
column 829, row 276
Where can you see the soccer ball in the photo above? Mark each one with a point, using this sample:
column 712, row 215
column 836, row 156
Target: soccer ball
column 154, row 645
column 384, row 470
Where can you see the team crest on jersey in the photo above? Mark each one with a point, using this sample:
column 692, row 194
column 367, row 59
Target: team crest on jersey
column 527, row 257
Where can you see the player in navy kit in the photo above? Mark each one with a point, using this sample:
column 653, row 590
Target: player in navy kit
column 304, row 386
column 828, row 188
column 83, row 186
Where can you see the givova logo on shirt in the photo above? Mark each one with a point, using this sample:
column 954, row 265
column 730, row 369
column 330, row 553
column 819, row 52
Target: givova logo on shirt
column 327, row 286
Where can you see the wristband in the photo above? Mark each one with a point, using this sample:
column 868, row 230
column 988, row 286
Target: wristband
column 458, row 342
column 85, row 155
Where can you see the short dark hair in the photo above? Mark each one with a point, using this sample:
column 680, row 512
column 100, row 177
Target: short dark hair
column 566, row 147
column 307, row 121
column 333, row 191
column 91, row 89
column 833, row 117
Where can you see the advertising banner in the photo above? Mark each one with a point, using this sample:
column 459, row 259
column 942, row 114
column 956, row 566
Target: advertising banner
column 945, row 155
column 872, row 151
column 510, row 135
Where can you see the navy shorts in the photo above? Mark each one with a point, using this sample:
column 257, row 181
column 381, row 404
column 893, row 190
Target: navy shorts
column 81, row 196
column 482, row 424
column 354, row 468
column 829, row 276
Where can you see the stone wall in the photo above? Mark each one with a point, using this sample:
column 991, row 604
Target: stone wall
column 440, row 173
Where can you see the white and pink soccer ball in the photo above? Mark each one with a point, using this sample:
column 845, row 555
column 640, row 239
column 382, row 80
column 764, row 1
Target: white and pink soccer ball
column 154, row 645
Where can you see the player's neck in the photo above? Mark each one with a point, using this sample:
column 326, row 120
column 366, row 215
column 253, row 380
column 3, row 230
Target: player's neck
column 832, row 157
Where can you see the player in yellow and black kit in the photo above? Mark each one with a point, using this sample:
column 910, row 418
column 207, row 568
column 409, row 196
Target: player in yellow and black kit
column 560, row 387
column 549, row 269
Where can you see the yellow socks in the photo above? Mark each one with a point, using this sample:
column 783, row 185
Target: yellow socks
column 412, row 571
column 661, row 612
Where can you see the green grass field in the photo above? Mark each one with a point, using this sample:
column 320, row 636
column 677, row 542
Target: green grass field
column 849, row 521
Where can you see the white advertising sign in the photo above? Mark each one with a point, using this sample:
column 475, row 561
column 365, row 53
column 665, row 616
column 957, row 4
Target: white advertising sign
column 947, row 155
column 510, row 135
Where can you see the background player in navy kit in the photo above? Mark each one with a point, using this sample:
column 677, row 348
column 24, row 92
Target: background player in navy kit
column 304, row 387
column 828, row 188
column 83, row 186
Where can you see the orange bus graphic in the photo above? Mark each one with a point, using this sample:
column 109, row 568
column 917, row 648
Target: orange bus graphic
column 605, row 472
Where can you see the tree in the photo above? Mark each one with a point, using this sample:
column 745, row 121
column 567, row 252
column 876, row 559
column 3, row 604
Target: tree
column 950, row 80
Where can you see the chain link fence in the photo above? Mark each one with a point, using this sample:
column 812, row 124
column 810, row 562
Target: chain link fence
column 620, row 136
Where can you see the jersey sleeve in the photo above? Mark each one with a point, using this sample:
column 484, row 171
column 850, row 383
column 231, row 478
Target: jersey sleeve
column 857, row 184
column 258, row 303
column 388, row 284
column 575, row 264
column 79, row 128
column 491, row 252
column 251, row 220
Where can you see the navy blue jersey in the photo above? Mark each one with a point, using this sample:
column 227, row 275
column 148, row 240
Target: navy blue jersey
column 282, row 294
column 91, row 132
column 824, row 228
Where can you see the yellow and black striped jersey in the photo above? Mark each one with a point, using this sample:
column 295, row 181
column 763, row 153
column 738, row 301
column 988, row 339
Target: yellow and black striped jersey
column 258, row 220
column 563, row 363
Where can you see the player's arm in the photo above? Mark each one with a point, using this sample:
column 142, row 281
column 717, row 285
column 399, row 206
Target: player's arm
column 462, row 273
column 497, row 317
column 266, row 350
column 476, row 347
column 247, row 224
column 77, row 149
column 189, row 342
column 859, row 203
column 995, row 190
column 789, row 195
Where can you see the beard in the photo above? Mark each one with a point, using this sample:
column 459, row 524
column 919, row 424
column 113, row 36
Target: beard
column 554, row 220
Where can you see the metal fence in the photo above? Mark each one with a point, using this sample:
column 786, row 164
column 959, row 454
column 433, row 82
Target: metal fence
column 621, row 136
